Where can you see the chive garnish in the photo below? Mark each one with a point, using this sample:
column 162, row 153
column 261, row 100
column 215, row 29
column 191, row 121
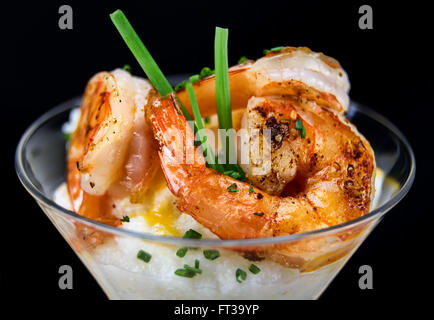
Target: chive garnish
column 240, row 274
column 206, row 72
column 250, row 189
column 254, row 269
column 211, row 254
column 196, row 263
column 67, row 136
column 259, row 214
column 194, row 269
column 232, row 188
column 181, row 85
column 125, row 219
column 181, row 252
column 143, row 57
column 242, row 59
column 298, row 124
column 303, row 132
column 127, row 67
column 192, row 234
column 185, row 273
column 194, row 78
column 236, row 174
column 208, row 154
column 143, row 255
column 275, row 49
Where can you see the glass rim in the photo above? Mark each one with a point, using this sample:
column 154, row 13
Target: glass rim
column 74, row 102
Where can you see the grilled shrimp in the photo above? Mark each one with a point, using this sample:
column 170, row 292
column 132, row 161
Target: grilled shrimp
column 112, row 151
column 334, row 180
column 292, row 71
column 320, row 179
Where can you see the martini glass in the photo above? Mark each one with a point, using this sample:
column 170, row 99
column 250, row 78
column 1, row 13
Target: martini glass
column 110, row 253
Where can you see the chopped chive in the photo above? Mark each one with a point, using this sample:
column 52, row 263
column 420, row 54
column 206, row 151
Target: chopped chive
column 211, row 254
column 242, row 59
column 143, row 255
column 143, row 57
column 185, row 273
column 259, row 214
column 127, row 67
column 194, row 78
column 196, row 263
column 192, row 234
column 254, row 269
column 232, row 188
column 275, row 49
column 67, row 136
column 206, row 72
column 181, row 252
column 250, row 189
column 303, row 132
column 181, row 85
column 125, row 219
column 298, row 124
column 194, row 269
column 240, row 274
column 235, row 174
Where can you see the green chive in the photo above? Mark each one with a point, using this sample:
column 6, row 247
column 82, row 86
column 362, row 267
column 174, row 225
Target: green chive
column 192, row 234
column 143, row 57
column 211, row 254
column 194, row 78
column 127, row 67
column 206, row 72
column 196, row 263
column 210, row 158
column 143, row 255
column 303, row 132
column 275, row 49
column 67, row 136
column 181, row 85
column 185, row 273
column 259, row 214
column 195, row 270
column 254, row 269
column 125, row 219
column 298, row 124
column 181, row 252
column 223, row 95
column 240, row 274
column 232, row 188
column 250, row 189
column 242, row 59
column 235, row 174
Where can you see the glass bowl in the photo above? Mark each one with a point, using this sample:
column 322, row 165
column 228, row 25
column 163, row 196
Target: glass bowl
column 110, row 253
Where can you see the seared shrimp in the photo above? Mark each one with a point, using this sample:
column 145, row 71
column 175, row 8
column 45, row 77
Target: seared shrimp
column 317, row 179
column 333, row 177
column 111, row 151
column 292, row 71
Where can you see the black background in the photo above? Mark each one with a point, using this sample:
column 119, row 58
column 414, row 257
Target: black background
column 390, row 69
